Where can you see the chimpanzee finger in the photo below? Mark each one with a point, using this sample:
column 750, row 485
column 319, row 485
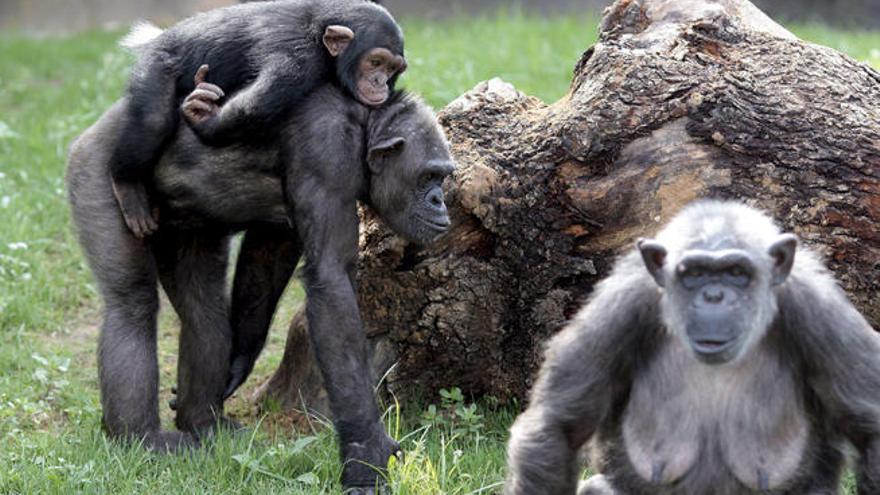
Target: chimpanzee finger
column 197, row 106
column 204, row 94
column 212, row 88
column 142, row 230
column 150, row 226
column 201, row 74
column 134, row 227
column 145, row 227
column 131, row 222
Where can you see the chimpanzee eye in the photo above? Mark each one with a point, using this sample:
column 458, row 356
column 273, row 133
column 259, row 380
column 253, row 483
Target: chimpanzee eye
column 429, row 178
column 375, row 62
column 737, row 275
column 692, row 278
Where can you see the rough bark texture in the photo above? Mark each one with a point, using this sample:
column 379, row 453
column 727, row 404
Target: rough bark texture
column 679, row 100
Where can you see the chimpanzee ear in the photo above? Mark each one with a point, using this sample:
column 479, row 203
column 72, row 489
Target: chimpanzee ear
column 782, row 252
column 381, row 150
column 654, row 256
column 337, row 39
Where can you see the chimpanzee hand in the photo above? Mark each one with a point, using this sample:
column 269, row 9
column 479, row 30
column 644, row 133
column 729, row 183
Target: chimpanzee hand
column 134, row 203
column 200, row 107
column 365, row 463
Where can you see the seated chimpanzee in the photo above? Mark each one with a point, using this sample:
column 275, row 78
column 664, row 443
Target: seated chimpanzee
column 719, row 359
column 336, row 152
column 267, row 56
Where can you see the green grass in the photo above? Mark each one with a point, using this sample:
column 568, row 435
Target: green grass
column 50, row 90
column 860, row 44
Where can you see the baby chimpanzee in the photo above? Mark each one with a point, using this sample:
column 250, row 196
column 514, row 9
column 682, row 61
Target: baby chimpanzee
column 267, row 56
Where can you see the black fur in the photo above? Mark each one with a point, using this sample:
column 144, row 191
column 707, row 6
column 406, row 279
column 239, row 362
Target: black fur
column 336, row 151
column 267, row 56
column 774, row 417
column 276, row 44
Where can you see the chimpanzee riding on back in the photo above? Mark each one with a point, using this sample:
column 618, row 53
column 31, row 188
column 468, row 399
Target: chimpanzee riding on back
column 268, row 56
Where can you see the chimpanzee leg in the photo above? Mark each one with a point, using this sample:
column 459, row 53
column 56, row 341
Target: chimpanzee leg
column 149, row 121
column 192, row 268
column 265, row 265
column 329, row 229
column 125, row 271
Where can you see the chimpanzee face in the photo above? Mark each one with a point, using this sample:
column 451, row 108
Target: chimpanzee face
column 368, row 52
column 377, row 67
column 719, row 298
column 408, row 165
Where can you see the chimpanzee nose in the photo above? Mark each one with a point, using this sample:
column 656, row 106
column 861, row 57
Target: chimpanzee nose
column 435, row 197
column 713, row 295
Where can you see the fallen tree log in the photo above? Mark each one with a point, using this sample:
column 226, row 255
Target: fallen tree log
column 679, row 100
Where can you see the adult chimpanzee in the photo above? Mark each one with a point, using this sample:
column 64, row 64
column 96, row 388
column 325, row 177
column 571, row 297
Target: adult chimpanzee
column 712, row 361
column 337, row 152
column 267, row 56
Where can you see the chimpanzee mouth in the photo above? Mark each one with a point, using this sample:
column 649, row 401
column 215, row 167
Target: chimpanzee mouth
column 437, row 225
column 711, row 347
column 373, row 98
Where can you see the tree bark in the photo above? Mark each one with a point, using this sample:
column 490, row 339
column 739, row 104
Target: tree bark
column 679, row 100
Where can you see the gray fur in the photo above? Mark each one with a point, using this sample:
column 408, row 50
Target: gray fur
column 773, row 419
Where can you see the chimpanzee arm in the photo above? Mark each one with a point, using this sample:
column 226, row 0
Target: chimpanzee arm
column 265, row 264
column 282, row 82
column 326, row 217
column 841, row 354
column 587, row 364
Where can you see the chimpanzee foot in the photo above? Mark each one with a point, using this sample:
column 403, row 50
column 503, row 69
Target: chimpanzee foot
column 169, row 442
column 366, row 464
column 135, row 206
column 206, row 429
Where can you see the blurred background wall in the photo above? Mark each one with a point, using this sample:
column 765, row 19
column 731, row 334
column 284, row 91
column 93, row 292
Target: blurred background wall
column 75, row 15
